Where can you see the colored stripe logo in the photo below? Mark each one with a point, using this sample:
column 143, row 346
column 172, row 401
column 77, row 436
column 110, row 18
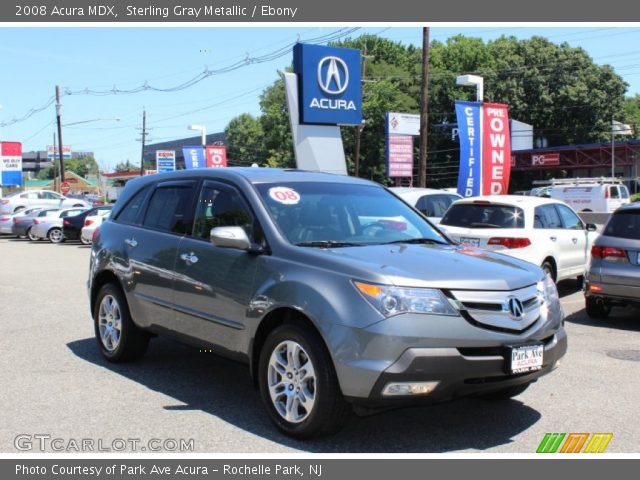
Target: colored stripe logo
column 573, row 443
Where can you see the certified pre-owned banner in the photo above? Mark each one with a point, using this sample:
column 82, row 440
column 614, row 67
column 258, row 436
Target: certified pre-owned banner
column 496, row 149
column 194, row 157
column 469, row 127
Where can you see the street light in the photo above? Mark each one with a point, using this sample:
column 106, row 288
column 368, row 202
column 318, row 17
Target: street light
column 203, row 131
column 470, row 81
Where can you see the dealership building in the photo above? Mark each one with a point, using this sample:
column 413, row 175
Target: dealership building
column 573, row 161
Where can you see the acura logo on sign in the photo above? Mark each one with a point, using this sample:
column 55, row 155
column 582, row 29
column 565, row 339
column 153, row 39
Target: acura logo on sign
column 515, row 308
column 333, row 75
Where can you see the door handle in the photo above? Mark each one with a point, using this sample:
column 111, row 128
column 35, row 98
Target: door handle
column 189, row 258
column 131, row 242
column 574, row 240
column 553, row 239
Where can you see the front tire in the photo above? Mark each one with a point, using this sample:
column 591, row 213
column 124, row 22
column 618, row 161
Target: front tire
column 298, row 383
column 84, row 241
column 119, row 340
column 55, row 235
column 597, row 310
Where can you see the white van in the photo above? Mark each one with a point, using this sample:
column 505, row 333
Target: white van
column 591, row 197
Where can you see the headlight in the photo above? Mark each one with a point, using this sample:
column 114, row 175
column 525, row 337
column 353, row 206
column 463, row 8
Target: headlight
column 547, row 290
column 391, row 301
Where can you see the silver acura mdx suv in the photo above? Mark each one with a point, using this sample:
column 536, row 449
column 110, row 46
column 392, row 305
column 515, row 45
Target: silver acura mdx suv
column 333, row 290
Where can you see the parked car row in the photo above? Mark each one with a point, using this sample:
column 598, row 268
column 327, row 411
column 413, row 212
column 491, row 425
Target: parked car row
column 17, row 201
column 54, row 224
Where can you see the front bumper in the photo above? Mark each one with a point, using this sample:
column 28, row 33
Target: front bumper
column 459, row 371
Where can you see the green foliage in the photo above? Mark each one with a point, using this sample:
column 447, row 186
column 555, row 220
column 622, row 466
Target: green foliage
column 557, row 88
column 127, row 166
column 245, row 139
column 635, row 197
column 632, row 113
column 46, row 173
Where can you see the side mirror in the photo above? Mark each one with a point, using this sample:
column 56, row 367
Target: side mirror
column 233, row 237
column 591, row 227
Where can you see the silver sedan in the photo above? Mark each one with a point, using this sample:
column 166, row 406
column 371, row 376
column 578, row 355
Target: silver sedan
column 51, row 227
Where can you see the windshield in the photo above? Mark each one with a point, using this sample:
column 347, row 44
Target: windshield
column 336, row 214
column 483, row 215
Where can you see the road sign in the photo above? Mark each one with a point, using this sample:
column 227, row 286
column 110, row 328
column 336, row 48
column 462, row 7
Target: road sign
column 65, row 188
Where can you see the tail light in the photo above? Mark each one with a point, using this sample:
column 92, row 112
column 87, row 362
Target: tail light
column 4, row 219
column 510, row 242
column 606, row 193
column 66, row 222
column 96, row 234
column 87, row 222
column 35, row 221
column 607, row 252
column 4, row 202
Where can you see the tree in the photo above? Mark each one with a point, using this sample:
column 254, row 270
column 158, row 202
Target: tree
column 278, row 142
column 632, row 113
column 127, row 166
column 245, row 140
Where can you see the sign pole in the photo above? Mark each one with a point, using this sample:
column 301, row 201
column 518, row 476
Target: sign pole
column 59, row 120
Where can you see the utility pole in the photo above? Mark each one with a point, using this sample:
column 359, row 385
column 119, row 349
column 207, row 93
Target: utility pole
column 144, row 136
column 56, row 183
column 424, row 107
column 358, row 133
column 59, row 120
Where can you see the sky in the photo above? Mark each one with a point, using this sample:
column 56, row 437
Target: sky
column 91, row 63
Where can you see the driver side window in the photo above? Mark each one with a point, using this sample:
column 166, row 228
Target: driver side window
column 220, row 207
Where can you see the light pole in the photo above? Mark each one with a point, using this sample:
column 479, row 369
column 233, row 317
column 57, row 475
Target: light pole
column 203, row 132
column 470, row 81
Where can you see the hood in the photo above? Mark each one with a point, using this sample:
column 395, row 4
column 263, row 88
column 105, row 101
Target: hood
column 439, row 266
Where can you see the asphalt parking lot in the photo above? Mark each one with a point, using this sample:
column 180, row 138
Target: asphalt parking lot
column 55, row 383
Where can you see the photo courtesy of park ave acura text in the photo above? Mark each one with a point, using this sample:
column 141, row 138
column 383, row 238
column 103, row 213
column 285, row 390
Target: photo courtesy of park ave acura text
column 300, row 238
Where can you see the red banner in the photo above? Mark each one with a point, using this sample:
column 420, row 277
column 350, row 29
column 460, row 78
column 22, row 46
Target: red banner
column 216, row 156
column 496, row 149
column 542, row 160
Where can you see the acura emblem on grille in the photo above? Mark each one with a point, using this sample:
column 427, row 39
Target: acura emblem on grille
column 515, row 308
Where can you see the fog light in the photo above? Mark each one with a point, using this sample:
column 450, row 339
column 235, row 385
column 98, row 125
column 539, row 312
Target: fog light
column 409, row 388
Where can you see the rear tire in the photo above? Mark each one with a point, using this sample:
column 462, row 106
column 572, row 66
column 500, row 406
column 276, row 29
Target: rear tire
column 118, row 338
column 55, row 235
column 298, row 383
column 597, row 310
column 547, row 266
column 507, row 393
column 84, row 241
column 31, row 236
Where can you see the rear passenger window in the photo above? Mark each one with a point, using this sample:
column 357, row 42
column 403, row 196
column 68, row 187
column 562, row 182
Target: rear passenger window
column 168, row 209
column 130, row 212
column 624, row 193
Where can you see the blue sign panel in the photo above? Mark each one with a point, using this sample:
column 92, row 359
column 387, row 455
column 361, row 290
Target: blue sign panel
column 328, row 84
column 194, row 157
column 10, row 178
column 470, row 134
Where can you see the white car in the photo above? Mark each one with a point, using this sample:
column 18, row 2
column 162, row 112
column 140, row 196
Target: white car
column 91, row 223
column 17, row 201
column 51, row 227
column 542, row 231
column 430, row 201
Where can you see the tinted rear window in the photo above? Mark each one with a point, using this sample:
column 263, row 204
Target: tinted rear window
column 472, row 215
column 624, row 225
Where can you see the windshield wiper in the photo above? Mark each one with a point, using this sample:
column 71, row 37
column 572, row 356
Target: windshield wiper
column 486, row 225
column 327, row 244
column 420, row 241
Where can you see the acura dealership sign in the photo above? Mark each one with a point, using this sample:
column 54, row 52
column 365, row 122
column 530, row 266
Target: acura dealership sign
column 328, row 84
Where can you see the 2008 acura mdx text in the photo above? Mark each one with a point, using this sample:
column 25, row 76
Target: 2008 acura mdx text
column 333, row 290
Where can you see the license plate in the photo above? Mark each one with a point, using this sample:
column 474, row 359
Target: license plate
column 474, row 242
column 526, row 358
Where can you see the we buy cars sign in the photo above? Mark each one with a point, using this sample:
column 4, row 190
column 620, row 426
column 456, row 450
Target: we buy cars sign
column 11, row 163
